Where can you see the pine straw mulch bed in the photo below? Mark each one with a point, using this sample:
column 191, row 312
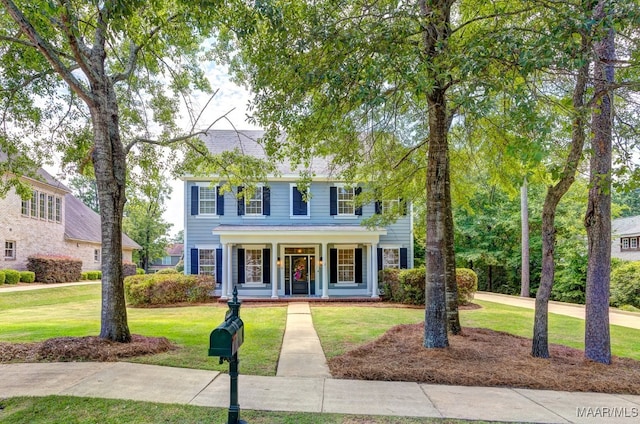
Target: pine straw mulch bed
column 91, row 348
column 481, row 357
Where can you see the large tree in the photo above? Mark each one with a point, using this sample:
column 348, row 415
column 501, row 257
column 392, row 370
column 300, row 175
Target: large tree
column 102, row 76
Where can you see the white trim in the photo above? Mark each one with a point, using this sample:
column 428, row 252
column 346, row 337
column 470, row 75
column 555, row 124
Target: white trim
column 251, row 246
column 345, row 246
column 252, row 216
column 207, row 246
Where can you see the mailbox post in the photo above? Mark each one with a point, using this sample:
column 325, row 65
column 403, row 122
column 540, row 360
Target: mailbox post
column 224, row 342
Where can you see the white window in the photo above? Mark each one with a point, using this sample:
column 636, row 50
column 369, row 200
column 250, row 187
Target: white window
column 9, row 249
column 254, row 205
column 96, row 255
column 390, row 258
column 166, row 260
column 58, row 209
column 207, row 262
column 34, row 204
column 207, row 200
column 26, row 206
column 50, row 208
column 346, row 266
column 625, row 243
column 345, row 201
column 253, row 266
column 388, row 206
column 633, row 243
column 42, row 205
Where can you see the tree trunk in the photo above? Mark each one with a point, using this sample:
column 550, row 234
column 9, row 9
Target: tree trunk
column 109, row 161
column 435, row 324
column 598, row 217
column 540, row 342
column 524, row 214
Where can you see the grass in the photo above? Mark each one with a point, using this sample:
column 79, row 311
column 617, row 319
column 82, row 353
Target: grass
column 77, row 410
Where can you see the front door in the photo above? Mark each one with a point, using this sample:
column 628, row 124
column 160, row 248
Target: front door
column 299, row 275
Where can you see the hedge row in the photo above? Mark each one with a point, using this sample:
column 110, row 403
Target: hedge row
column 162, row 289
column 55, row 269
column 91, row 275
column 408, row 285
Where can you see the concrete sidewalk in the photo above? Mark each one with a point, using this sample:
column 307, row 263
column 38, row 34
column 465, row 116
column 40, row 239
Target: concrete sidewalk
column 121, row 380
column 616, row 317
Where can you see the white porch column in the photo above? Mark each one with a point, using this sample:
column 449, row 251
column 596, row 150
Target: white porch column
column 325, row 273
column 374, row 261
column 229, row 270
column 274, row 271
column 225, row 271
column 369, row 268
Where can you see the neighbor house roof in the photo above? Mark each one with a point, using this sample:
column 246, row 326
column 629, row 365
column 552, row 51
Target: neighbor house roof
column 41, row 176
column 629, row 226
column 83, row 224
column 175, row 249
column 219, row 141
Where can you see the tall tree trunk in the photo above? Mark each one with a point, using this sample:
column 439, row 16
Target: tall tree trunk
column 109, row 161
column 540, row 342
column 598, row 217
column 524, row 214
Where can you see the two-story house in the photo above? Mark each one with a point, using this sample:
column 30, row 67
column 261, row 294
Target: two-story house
column 51, row 222
column 279, row 242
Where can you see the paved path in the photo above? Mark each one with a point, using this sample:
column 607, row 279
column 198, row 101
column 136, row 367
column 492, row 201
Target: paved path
column 616, row 317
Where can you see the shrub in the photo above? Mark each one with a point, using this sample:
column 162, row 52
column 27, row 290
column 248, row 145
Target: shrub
column 2, row 277
column 27, row 276
column 389, row 282
column 159, row 289
column 625, row 285
column 467, row 281
column 94, row 275
column 412, row 284
column 11, row 276
column 180, row 266
column 129, row 268
column 55, row 269
column 168, row 271
column 84, row 275
column 140, row 271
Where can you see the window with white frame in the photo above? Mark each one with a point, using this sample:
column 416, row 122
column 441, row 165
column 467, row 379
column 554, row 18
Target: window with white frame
column 207, row 262
column 50, row 208
column 207, row 201
column 42, row 205
column 96, row 255
column 390, row 257
column 389, row 205
column 254, row 204
column 58, row 209
column 633, row 243
column 9, row 249
column 345, row 201
column 253, row 266
column 346, row 266
column 625, row 243
column 34, row 204
column 26, row 207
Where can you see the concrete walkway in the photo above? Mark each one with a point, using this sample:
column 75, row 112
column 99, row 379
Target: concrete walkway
column 616, row 317
column 301, row 354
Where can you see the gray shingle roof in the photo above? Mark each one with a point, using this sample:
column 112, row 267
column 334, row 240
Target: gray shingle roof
column 629, row 226
column 219, row 141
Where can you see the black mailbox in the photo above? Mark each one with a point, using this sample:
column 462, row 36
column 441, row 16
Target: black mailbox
column 225, row 340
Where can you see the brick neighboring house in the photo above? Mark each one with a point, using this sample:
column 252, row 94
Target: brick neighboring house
column 52, row 222
column 625, row 238
column 172, row 256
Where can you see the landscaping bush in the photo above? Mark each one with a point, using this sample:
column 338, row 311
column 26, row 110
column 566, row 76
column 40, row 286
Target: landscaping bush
column 2, row 277
column 159, row 289
column 94, row 275
column 84, row 275
column 180, row 266
column 168, row 271
column 11, row 276
column 467, row 281
column 27, row 277
column 129, row 268
column 412, row 284
column 625, row 285
column 389, row 283
column 55, row 269
column 140, row 271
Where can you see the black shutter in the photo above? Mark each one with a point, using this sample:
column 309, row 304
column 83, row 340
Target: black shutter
column 299, row 206
column 379, row 258
column 333, row 266
column 240, row 201
column 378, row 207
column 266, row 266
column 195, row 192
column 219, row 265
column 358, row 210
column 358, row 259
column 403, row 258
column 403, row 206
column 333, row 200
column 266, row 201
column 240, row 266
column 219, row 202
column 194, row 261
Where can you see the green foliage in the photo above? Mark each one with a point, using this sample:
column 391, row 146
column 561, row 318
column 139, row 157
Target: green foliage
column 405, row 286
column 467, row 281
column 11, row 276
column 93, row 275
column 27, row 277
column 140, row 271
column 163, row 289
column 55, row 269
column 168, row 271
column 84, row 276
column 180, row 266
column 625, row 285
column 2, row 276
column 389, row 282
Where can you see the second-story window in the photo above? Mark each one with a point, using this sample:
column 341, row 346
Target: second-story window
column 34, row 204
column 58, row 209
column 254, row 205
column 345, row 201
column 50, row 210
column 42, row 205
column 208, row 199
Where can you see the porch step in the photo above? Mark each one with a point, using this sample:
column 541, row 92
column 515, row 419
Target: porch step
column 301, row 354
